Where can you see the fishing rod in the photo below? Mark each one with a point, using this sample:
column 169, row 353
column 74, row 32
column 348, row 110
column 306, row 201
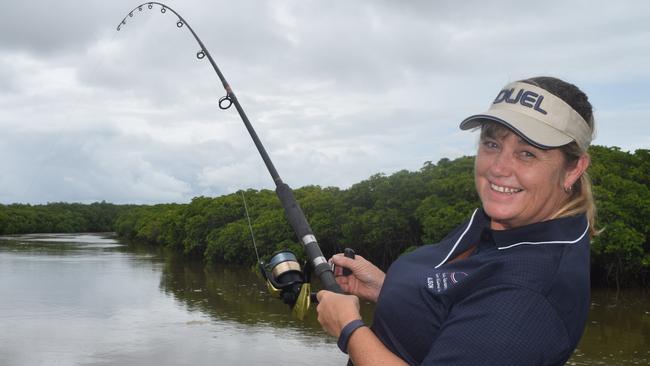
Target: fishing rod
column 283, row 270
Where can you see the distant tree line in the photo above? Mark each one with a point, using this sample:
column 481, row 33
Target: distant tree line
column 385, row 216
column 59, row 217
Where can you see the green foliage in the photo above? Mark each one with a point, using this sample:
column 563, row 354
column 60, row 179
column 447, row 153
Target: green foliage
column 380, row 217
column 59, row 217
column 230, row 244
column 621, row 254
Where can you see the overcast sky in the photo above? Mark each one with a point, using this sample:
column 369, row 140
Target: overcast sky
column 337, row 90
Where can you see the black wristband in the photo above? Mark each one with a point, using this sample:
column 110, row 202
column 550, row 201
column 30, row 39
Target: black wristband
column 346, row 333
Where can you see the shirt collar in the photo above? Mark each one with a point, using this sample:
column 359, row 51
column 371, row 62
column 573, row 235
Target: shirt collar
column 468, row 235
column 565, row 230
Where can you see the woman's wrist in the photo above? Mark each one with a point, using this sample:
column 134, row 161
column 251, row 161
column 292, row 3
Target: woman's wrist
column 346, row 333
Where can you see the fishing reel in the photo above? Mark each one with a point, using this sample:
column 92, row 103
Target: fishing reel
column 286, row 280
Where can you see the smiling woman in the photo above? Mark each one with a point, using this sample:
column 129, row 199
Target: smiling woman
column 534, row 162
column 517, row 182
column 511, row 285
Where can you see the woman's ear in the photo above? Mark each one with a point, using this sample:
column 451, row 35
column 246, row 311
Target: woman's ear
column 575, row 172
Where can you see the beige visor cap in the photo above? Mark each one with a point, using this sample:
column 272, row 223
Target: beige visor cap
column 541, row 118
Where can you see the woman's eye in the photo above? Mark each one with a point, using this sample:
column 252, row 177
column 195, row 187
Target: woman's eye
column 490, row 144
column 527, row 155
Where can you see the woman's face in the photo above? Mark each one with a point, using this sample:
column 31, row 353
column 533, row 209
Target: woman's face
column 518, row 183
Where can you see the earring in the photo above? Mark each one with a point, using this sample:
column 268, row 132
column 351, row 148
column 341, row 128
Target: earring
column 568, row 189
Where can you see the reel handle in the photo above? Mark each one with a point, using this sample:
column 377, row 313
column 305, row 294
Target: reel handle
column 348, row 252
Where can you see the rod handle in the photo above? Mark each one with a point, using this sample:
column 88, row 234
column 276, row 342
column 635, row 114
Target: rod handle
column 298, row 222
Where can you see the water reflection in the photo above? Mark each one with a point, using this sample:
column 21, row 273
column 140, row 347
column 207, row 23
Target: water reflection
column 84, row 302
column 234, row 293
column 59, row 244
column 618, row 331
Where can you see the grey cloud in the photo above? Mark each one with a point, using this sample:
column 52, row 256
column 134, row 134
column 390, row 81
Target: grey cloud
column 337, row 91
column 49, row 27
column 93, row 165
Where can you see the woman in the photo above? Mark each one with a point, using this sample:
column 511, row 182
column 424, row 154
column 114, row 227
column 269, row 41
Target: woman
column 511, row 285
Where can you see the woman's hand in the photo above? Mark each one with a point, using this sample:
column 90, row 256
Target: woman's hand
column 365, row 281
column 335, row 311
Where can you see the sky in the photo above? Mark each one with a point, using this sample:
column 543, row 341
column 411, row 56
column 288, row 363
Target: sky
column 337, row 90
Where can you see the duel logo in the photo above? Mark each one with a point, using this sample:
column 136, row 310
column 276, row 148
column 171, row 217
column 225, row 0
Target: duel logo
column 524, row 97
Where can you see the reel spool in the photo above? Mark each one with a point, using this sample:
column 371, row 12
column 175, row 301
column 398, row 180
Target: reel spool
column 284, row 276
column 286, row 280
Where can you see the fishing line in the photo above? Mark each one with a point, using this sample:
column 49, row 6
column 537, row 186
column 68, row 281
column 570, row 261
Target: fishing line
column 250, row 227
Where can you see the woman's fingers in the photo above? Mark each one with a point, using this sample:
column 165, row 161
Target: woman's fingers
column 342, row 261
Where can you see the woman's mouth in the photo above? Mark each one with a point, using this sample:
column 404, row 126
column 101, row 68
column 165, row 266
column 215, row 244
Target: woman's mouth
column 503, row 189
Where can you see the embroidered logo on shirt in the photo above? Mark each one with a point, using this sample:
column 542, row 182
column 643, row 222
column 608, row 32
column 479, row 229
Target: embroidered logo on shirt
column 441, row 281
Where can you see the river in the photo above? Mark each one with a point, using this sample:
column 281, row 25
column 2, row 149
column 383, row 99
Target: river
column 86, row 299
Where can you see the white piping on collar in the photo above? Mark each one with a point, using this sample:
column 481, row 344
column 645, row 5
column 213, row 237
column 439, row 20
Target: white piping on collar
column 549, row 242
column 458, row 241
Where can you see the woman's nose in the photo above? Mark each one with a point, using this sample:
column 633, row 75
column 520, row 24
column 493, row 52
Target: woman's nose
column 502, row 165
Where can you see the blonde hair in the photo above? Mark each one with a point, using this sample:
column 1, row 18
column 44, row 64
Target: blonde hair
column 581, row 199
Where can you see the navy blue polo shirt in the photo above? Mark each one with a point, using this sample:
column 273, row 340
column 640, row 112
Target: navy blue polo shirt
column 522, row 298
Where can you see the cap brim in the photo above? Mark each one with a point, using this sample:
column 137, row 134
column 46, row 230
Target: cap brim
column 532, row 130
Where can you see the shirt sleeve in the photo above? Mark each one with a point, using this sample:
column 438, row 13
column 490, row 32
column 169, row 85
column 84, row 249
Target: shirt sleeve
column 501, row 325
